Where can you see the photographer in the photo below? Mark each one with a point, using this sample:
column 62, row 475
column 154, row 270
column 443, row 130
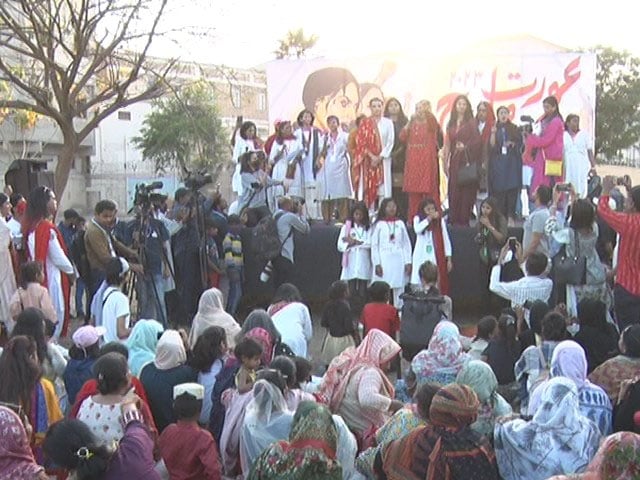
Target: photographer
column 290, row 218
column 255, row 182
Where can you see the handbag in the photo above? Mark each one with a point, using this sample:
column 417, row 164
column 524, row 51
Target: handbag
column 468, row 173
column 570, row 270
column 552, row 168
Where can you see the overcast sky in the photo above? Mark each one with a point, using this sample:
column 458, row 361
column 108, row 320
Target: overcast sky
column 245, row 33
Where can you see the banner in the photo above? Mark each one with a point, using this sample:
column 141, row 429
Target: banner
column 517, row 81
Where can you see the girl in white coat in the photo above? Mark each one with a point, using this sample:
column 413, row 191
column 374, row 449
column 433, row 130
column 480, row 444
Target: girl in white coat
column 428, row 224
column 284, row 151
column 578, row 156
column 391, row 250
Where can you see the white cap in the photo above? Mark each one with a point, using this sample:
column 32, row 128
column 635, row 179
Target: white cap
column 194, row 389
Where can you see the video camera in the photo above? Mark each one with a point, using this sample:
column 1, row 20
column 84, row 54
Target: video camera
column 197, row 180
column 143, row 193
column 527, row 126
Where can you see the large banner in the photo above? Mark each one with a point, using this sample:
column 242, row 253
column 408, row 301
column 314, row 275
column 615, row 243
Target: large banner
column 520, row 82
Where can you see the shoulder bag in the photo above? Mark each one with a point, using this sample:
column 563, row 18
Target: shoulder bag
column 570, row 270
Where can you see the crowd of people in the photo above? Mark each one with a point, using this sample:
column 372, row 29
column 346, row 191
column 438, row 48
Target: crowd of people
column 161, row 377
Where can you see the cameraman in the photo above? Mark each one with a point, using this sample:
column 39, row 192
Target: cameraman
column 149, row 237
column 289, row 215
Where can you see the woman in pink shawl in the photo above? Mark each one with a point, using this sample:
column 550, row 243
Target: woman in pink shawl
column 548, row 145
column 356, row 387
column 16, row 458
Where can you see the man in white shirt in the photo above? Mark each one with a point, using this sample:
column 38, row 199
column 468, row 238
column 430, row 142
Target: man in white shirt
column 534, row 286
column 387, row 137
column 116, row 312
column 534, row 238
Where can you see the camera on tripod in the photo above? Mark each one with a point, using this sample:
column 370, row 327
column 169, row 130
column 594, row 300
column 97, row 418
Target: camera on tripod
column 143, row 193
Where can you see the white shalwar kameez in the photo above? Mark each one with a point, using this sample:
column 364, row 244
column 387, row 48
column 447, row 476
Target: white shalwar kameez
column 241, row 147
column 425, row 249
column 290, row 149
column 391, row 249
column 307, row 140
column 576, row 161
column 57, row 264
column 356, row 260
column 334, row 180
column 7, row 278
column 387, row 137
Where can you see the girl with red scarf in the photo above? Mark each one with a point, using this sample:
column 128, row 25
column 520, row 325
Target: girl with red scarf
column 366, row 171
column 463, row 145
column 45, row 244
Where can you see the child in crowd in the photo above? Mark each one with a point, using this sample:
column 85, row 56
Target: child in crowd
column 303, row 371
column 486, row 329
column 428, row 274
column 432, row 244
column 31, row 293
column 502, row 353
column 391, row 250
column 338, row 320
column 214, row 265
column 354, row 242
column 249, row 353
column 84, row 352
column 378, row 313
column 189, row 451
column 233, row 259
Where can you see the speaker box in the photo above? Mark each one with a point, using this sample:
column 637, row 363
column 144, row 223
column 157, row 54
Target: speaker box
column 25, row 175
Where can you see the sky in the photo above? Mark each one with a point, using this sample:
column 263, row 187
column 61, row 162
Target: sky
column 245, row 33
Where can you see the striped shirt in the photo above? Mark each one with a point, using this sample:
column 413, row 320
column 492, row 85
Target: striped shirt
column 628, row 226
column 232, row 246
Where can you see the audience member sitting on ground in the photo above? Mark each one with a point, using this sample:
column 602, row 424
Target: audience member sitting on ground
column 142, row 344
column 597, row 336
column 84, row 353
column 211, row 314
column 292, row 318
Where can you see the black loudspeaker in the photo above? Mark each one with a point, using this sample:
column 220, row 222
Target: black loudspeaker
column 25, row 175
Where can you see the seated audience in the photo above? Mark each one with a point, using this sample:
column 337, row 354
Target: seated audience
column 597, row 336
column 557, row 440
column 486, row 329
column 293, row 395
column 84, row 352
column 502, row 353
column 443, row 358
column 379, row 313
column 309, row 453
column 211, row 313
column 292, row 318
column 531, row 334
column 626, row 366
column 337, row 318
column 142, row 344
column 189, row 451
column 446, row 449
column 261, row 319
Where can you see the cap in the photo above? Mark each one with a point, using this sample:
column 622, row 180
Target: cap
column 194, row 389
column 125, row 265
column 87, row 335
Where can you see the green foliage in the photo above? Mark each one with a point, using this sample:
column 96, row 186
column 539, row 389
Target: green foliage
column 617, row 101
column 295, row 44
column 184, row 131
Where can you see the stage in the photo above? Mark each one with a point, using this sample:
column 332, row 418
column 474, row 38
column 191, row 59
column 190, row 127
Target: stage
column 318, row 264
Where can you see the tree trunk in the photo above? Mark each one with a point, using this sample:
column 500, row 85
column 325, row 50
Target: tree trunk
column 66, row 158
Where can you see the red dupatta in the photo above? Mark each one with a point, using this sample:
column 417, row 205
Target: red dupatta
column 43, row 231
column 367, row 142
column 435, row 227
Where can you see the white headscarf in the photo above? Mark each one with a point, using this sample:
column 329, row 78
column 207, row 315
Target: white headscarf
column 170, row 352
column 211, row 314
column 558, row 440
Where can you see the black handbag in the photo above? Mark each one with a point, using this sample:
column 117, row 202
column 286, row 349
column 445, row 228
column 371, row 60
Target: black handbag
column 570, row 270
column 468, row 173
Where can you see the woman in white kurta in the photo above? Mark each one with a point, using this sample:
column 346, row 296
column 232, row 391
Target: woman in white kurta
column 578, row 156
column 7, row 278
column 425, row 249
column 391, row 250
column 245, row 141
column 285, row 149
column 333, row 178
column 292, row 318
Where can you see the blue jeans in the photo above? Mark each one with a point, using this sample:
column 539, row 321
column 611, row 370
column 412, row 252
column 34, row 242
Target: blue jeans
column 235, row 289
column 150, row 306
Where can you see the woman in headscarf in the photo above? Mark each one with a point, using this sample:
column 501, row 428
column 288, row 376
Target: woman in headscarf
column 480, row 377
column 558, row 440
column 292, row 318
column 211, row 314
column 16, row 458
column 310, row 453
column 569, row 361
column 267, row 420
column 167, row 370
column 447, row 449
column 355, row 385
column 261, row 319
column 443, row 358
column 142, row 344
column 618, row 458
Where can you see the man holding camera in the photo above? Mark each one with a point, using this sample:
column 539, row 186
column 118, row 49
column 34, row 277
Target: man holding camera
column 289, row 218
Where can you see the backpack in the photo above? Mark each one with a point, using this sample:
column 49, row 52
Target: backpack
column 78, row 251
column 420, row 314
column 265, row 242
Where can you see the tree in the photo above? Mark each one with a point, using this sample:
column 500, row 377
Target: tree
column 80, row 69
column 617, row 101
column 295, row 44
column 184, row 131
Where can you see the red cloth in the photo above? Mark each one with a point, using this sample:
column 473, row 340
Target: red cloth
column 462, row 199
column 43, row 231
column 421, row 169
column 90, row 388
column 441, row 259
column 381, row 316
column 628, row 226
column 189, row 452
column 367, row 142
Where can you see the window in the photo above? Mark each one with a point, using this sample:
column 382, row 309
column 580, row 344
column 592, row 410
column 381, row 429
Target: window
column 262, row 102
column 236, row 96
column 124, row 115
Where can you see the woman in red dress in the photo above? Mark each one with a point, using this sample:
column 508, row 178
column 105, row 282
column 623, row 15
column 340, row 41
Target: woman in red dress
column 463, row 146
column 421, row 169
